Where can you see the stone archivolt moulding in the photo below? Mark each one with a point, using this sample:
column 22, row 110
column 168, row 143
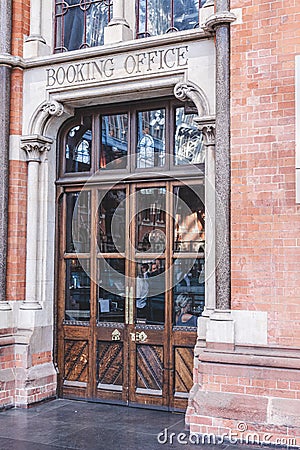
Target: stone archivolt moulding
column 205, row 122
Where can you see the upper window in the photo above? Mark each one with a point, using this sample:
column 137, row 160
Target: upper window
column 80, row 23
column 162, row 16
column 133, row 138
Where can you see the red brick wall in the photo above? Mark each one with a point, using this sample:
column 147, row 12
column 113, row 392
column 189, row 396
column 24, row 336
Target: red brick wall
column 17, row 169
column 265, row 218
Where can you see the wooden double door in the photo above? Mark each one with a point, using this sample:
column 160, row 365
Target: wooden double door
column 131, row 287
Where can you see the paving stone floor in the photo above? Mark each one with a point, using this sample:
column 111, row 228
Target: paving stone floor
column 68, row 424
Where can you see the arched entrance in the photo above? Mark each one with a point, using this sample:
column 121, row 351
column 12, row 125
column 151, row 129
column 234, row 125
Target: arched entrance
column 131, row 240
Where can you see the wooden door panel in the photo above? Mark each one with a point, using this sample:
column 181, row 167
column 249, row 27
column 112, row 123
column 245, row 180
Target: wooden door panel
column 184, row 363
column 110, row 365
column 149, row 369
column 76, row 361
column 76, row 368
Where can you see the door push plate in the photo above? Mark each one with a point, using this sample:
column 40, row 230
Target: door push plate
column 139, row 336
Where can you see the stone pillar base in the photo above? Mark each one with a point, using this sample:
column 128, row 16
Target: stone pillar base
column 117, row 32
column 34, row 47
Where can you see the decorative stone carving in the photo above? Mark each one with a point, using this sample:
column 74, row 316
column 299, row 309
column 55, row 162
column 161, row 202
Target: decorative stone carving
column 207, row 126
column 41, row 116
column 34, row 146
column 189, row 91
column 53, row 108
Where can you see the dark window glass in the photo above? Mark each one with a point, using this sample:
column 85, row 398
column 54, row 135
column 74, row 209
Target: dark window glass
column 79, row 147
column 111, row 290
column 151, row 220
column 150, row 291
column 188, row 148
column 161, row 16
column 114, row 145
column 80, row 23
column 77, row 299
column 188, row 291
column 151, row 128
column 189, row 219
column 111, row 221
column 78, row 222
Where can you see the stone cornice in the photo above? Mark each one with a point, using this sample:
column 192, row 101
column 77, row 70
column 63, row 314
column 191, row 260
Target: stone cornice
column 251, row 356
column 9, row 60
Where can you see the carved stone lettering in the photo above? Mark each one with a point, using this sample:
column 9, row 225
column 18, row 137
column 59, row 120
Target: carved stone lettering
column 118, row 66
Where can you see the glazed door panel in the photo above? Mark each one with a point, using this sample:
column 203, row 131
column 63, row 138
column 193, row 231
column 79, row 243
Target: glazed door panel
column 127, row 254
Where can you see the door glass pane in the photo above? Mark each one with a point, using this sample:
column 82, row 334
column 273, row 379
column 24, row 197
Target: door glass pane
column 189, row 223
column 114, row 145
column 78, row 222
column 150, row 291
column 77, row 297
column 111, row 221
column 79, row 147
column 189, row 148
column 151, row 128
column 111, row 290
column 151, row 220
column 188, row 291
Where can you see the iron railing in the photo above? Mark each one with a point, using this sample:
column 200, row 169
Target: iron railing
column 155, row 17
column 80, row 23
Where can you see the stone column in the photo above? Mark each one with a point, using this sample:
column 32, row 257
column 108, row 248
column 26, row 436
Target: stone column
column 5, row 75
column 34, row 147
column 35, row 44
column 118, row 29
column 207, row 127
column 220, row 23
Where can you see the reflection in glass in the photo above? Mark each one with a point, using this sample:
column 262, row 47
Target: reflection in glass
column 189, row 147
column 78, row 147
column 189, row 223
column 188, row 291
column 151, row 220
column 161, row 16
column 77, row 297
column 150, row 291
column 114, row 143
column 111, row 221
column 111, row 290
column 78, row 222
column 151, row 139
column 80, row 24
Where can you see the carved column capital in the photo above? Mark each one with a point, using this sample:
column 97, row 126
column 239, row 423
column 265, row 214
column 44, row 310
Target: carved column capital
column 219, row 18
column 207, row 126
column 35, row 146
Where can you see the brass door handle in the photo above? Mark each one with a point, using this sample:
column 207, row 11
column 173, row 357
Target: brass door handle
column 126, row 305
column 130, row 316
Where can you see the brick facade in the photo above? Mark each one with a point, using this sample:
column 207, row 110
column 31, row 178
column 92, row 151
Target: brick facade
column 256, row 384
column 265, row 235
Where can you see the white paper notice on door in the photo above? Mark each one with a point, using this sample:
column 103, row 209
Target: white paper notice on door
column 104, row 305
